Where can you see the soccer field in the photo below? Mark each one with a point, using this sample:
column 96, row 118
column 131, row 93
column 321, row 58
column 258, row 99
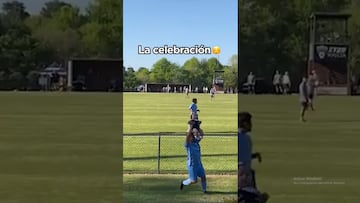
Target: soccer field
column 65, row 147
column 154, row 113
column 169, row 112
column 162, row 112
column 317, row 161
column 60, row 147
column 165, row 188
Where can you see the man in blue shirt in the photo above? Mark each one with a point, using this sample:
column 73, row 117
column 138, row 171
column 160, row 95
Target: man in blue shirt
column 245, row 154
column 194, row 165
column 246, row 176
column 193, row 108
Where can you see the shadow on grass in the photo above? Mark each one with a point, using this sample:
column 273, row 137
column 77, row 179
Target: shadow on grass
column 220, row 193
column 175, row 156
column 142, row 188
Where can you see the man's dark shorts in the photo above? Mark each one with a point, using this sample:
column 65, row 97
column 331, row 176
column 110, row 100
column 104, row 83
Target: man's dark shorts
column 304, row 104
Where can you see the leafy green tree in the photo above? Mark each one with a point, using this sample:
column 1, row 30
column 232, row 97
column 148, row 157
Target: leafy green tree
column 231, row 73
column 194, row 70
column 58, row 33
column 162, row 71
column 12, row 16
column 212, row 65
column 181, row 76
column 15, row 10
column 91, row 42
column 52, row 7
column 102, row 35
column 130, row 81
column 17, row 52
column 142, row 75
column 68, row 17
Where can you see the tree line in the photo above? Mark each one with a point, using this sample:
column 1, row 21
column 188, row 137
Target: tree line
column 274, row 35
column 29, row 42
column 198, row 73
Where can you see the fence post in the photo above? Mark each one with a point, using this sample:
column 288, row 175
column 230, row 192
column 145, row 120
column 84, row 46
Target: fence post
column 159, row 142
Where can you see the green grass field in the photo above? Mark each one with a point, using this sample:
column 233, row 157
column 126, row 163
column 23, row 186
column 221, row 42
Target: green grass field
column 60, row 147
column 219, row 154
column 325, row 150
column 169, row 112
column 315, row 162
column 165, row 188
column 153, row 113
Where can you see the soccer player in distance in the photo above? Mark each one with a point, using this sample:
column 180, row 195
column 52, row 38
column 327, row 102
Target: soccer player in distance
column 193, row 108
column 251, row 83
column 194, row 165
column 212, row 93
column 304, row 98
column 276, row 82
column 286, row 82
column 187, row 92
column 312, row 83
column 246, row 176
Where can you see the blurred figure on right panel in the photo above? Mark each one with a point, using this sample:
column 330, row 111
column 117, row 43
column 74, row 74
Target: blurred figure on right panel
column 286, row 83
column 276, row 82
column 247, row 189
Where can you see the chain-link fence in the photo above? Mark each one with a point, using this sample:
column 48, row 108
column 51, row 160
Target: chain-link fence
column 165, row 153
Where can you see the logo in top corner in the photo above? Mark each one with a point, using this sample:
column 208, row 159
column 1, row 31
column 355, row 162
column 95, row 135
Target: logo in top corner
column 321, row 51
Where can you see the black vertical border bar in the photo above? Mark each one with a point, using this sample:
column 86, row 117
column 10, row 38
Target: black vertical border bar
column 239, row 85
column 121, row 175
column 239, row 61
